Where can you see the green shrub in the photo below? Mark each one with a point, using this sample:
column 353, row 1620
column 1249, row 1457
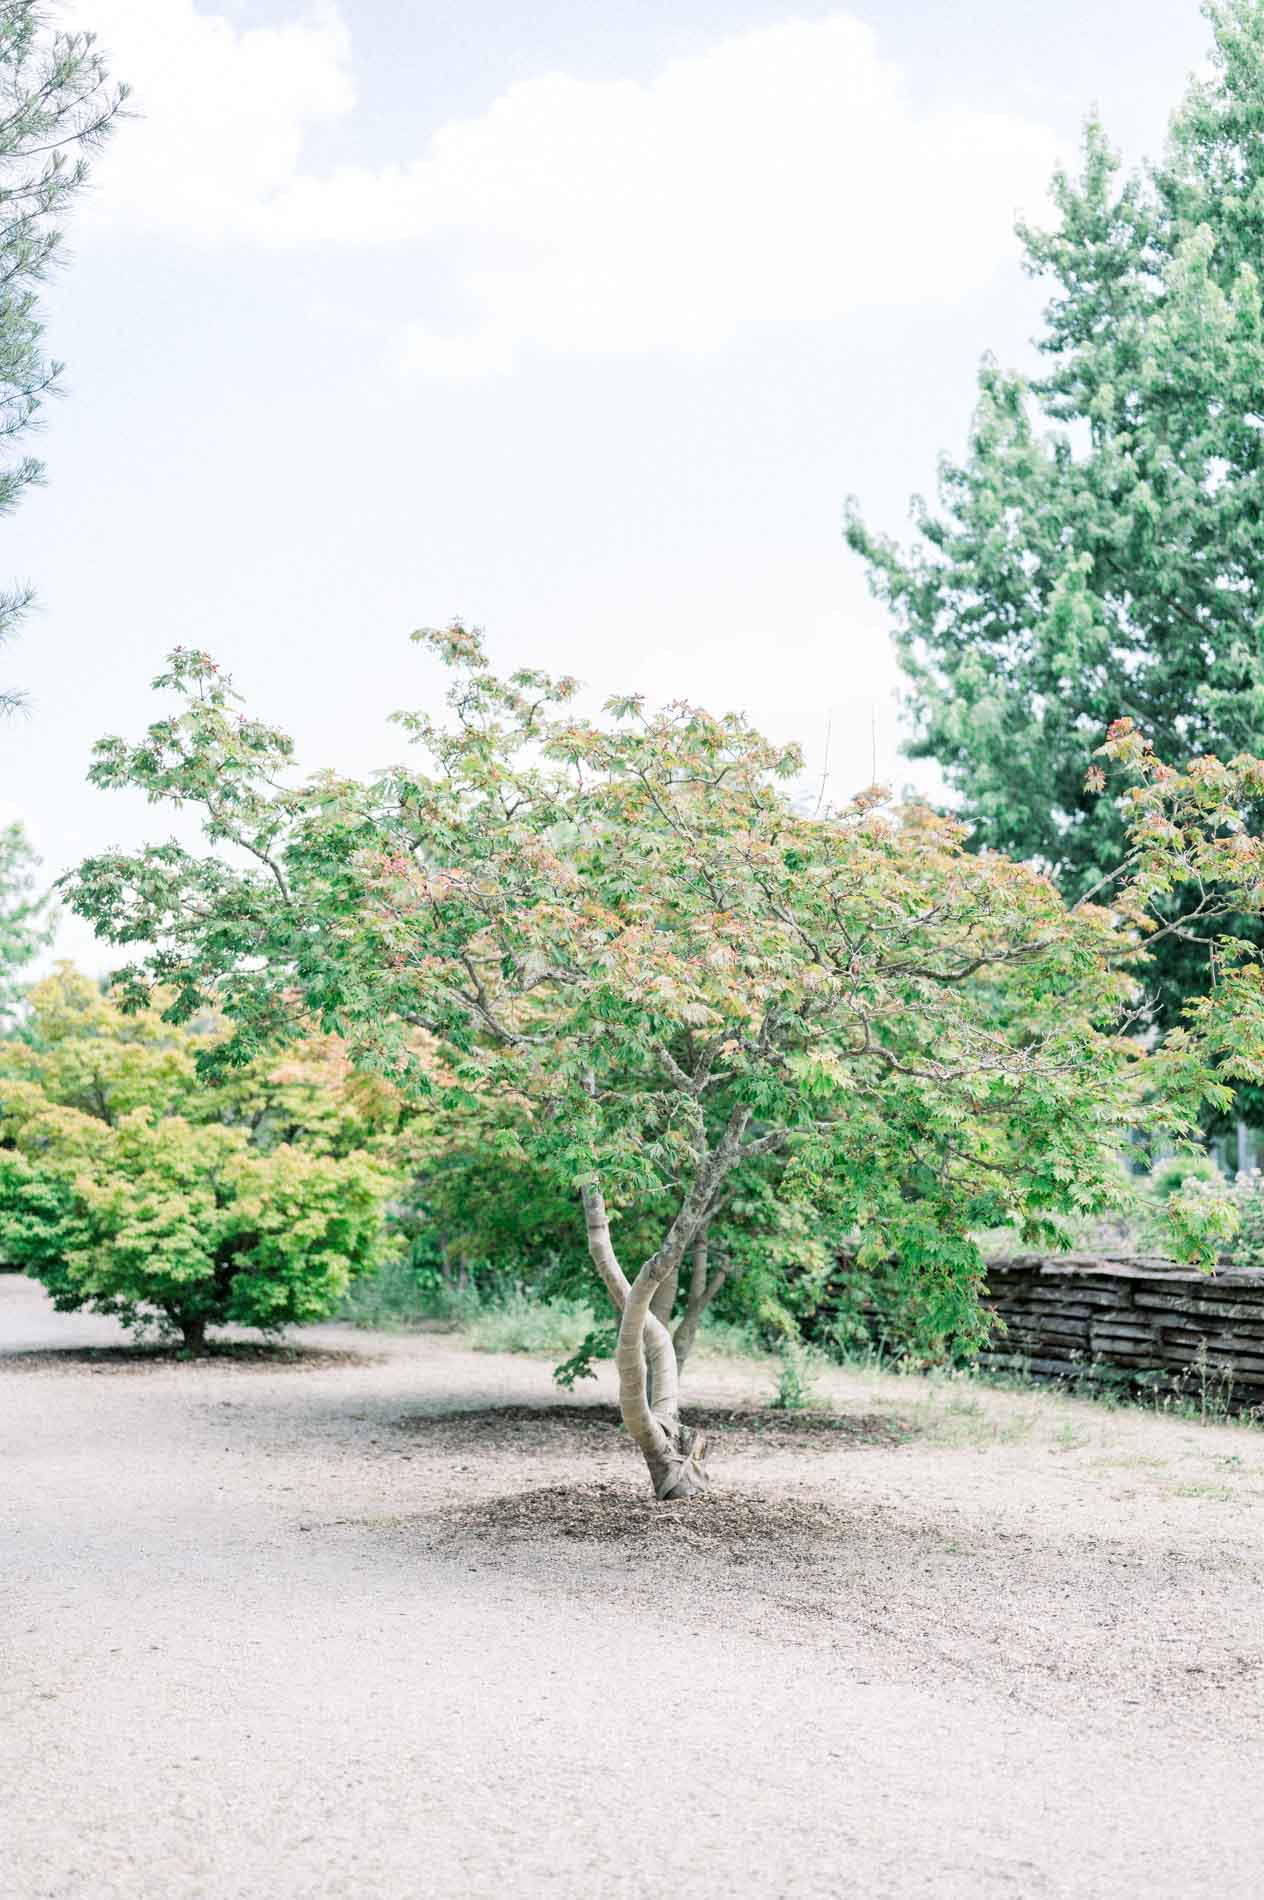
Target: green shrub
column 1246, row 1249
column 407, row 1292
column 518, row 1323
column 1175, row 1173
column 132, row 1185
column 157, row 1219
column 796, row 1380
column 1185, row 1204
column 879, row 1307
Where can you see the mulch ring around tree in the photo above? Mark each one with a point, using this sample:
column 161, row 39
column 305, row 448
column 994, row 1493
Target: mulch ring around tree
column 738, row 1522
column 741, row 1428
column 741, row 1524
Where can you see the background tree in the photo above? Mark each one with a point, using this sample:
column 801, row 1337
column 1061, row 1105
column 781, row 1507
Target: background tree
column 1100, row 551
column 133, row 1185
column 56, row 106
column 27, row 922
column 625, row 936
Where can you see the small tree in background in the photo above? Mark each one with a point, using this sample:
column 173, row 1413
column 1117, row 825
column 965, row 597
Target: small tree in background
column 1099, row 553
column 56, row 106
column 626, row 936
column 132, row 1185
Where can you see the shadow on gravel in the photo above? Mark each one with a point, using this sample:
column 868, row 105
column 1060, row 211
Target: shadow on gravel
column 247, row 1357
column 736, row 1427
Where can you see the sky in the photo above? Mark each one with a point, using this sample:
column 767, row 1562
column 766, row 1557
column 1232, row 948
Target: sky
column 579, row 321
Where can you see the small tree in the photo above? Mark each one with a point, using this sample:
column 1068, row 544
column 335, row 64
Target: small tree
column 133, row 1185
column 668, row 977
column 56, row 105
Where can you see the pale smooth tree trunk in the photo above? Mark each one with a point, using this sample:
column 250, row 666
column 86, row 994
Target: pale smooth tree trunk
column 661, row 1307
column 644, row 1356
column 665, row 1296
column 703, row 1288
column 645, row 1361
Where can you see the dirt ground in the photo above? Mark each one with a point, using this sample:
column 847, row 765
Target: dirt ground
column 384, row 1618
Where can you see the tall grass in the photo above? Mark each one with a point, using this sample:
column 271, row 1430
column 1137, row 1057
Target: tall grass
column 518, row 1323
column 398, row 1297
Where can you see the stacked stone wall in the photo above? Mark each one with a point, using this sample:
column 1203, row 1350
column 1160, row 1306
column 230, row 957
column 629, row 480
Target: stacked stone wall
column 1131, row 1321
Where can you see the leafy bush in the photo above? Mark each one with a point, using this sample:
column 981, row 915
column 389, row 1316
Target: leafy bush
column 1186, row 1204
column 1175, row 1173
column 159, row 1216
column 1246, row 1249
column 130, row 1186
column 1198, row 1214
column 874, row 1306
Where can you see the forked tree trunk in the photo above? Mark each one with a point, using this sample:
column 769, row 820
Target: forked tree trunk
column 644, row 1355
column 703, row 1288
column 661, row 1309
column 645, row 1361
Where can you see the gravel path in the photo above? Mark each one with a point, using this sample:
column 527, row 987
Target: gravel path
column 343, row 1625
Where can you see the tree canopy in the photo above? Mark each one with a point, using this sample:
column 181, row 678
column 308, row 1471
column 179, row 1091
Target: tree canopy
column 677, row 987
column 1099, row 552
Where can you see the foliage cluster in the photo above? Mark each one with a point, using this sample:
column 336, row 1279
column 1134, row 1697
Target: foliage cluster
column 130, row 1185
column 1236, row 1208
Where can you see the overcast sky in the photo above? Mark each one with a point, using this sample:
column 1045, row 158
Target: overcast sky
column 579, row 320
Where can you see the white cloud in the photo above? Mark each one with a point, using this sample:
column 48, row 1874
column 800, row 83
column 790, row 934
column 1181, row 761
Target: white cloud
column 783, row 175
column 222, row 113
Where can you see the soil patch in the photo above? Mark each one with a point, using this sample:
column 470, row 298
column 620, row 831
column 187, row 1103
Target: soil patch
column 218, row 1355
column 736, row 1427
column 734, row 1523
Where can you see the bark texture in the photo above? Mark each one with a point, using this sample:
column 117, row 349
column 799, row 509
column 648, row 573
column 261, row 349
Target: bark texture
column 645, row 1360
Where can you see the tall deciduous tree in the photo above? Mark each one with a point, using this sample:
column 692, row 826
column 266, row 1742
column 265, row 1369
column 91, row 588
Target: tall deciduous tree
column 1100, row 551
column 56, row 106
column 629, row 937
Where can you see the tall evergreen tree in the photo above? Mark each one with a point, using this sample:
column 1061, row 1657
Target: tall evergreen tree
column 56, row 105
column 1100, row 551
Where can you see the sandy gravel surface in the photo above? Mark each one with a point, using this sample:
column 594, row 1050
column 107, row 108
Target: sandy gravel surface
column 370, row 1623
